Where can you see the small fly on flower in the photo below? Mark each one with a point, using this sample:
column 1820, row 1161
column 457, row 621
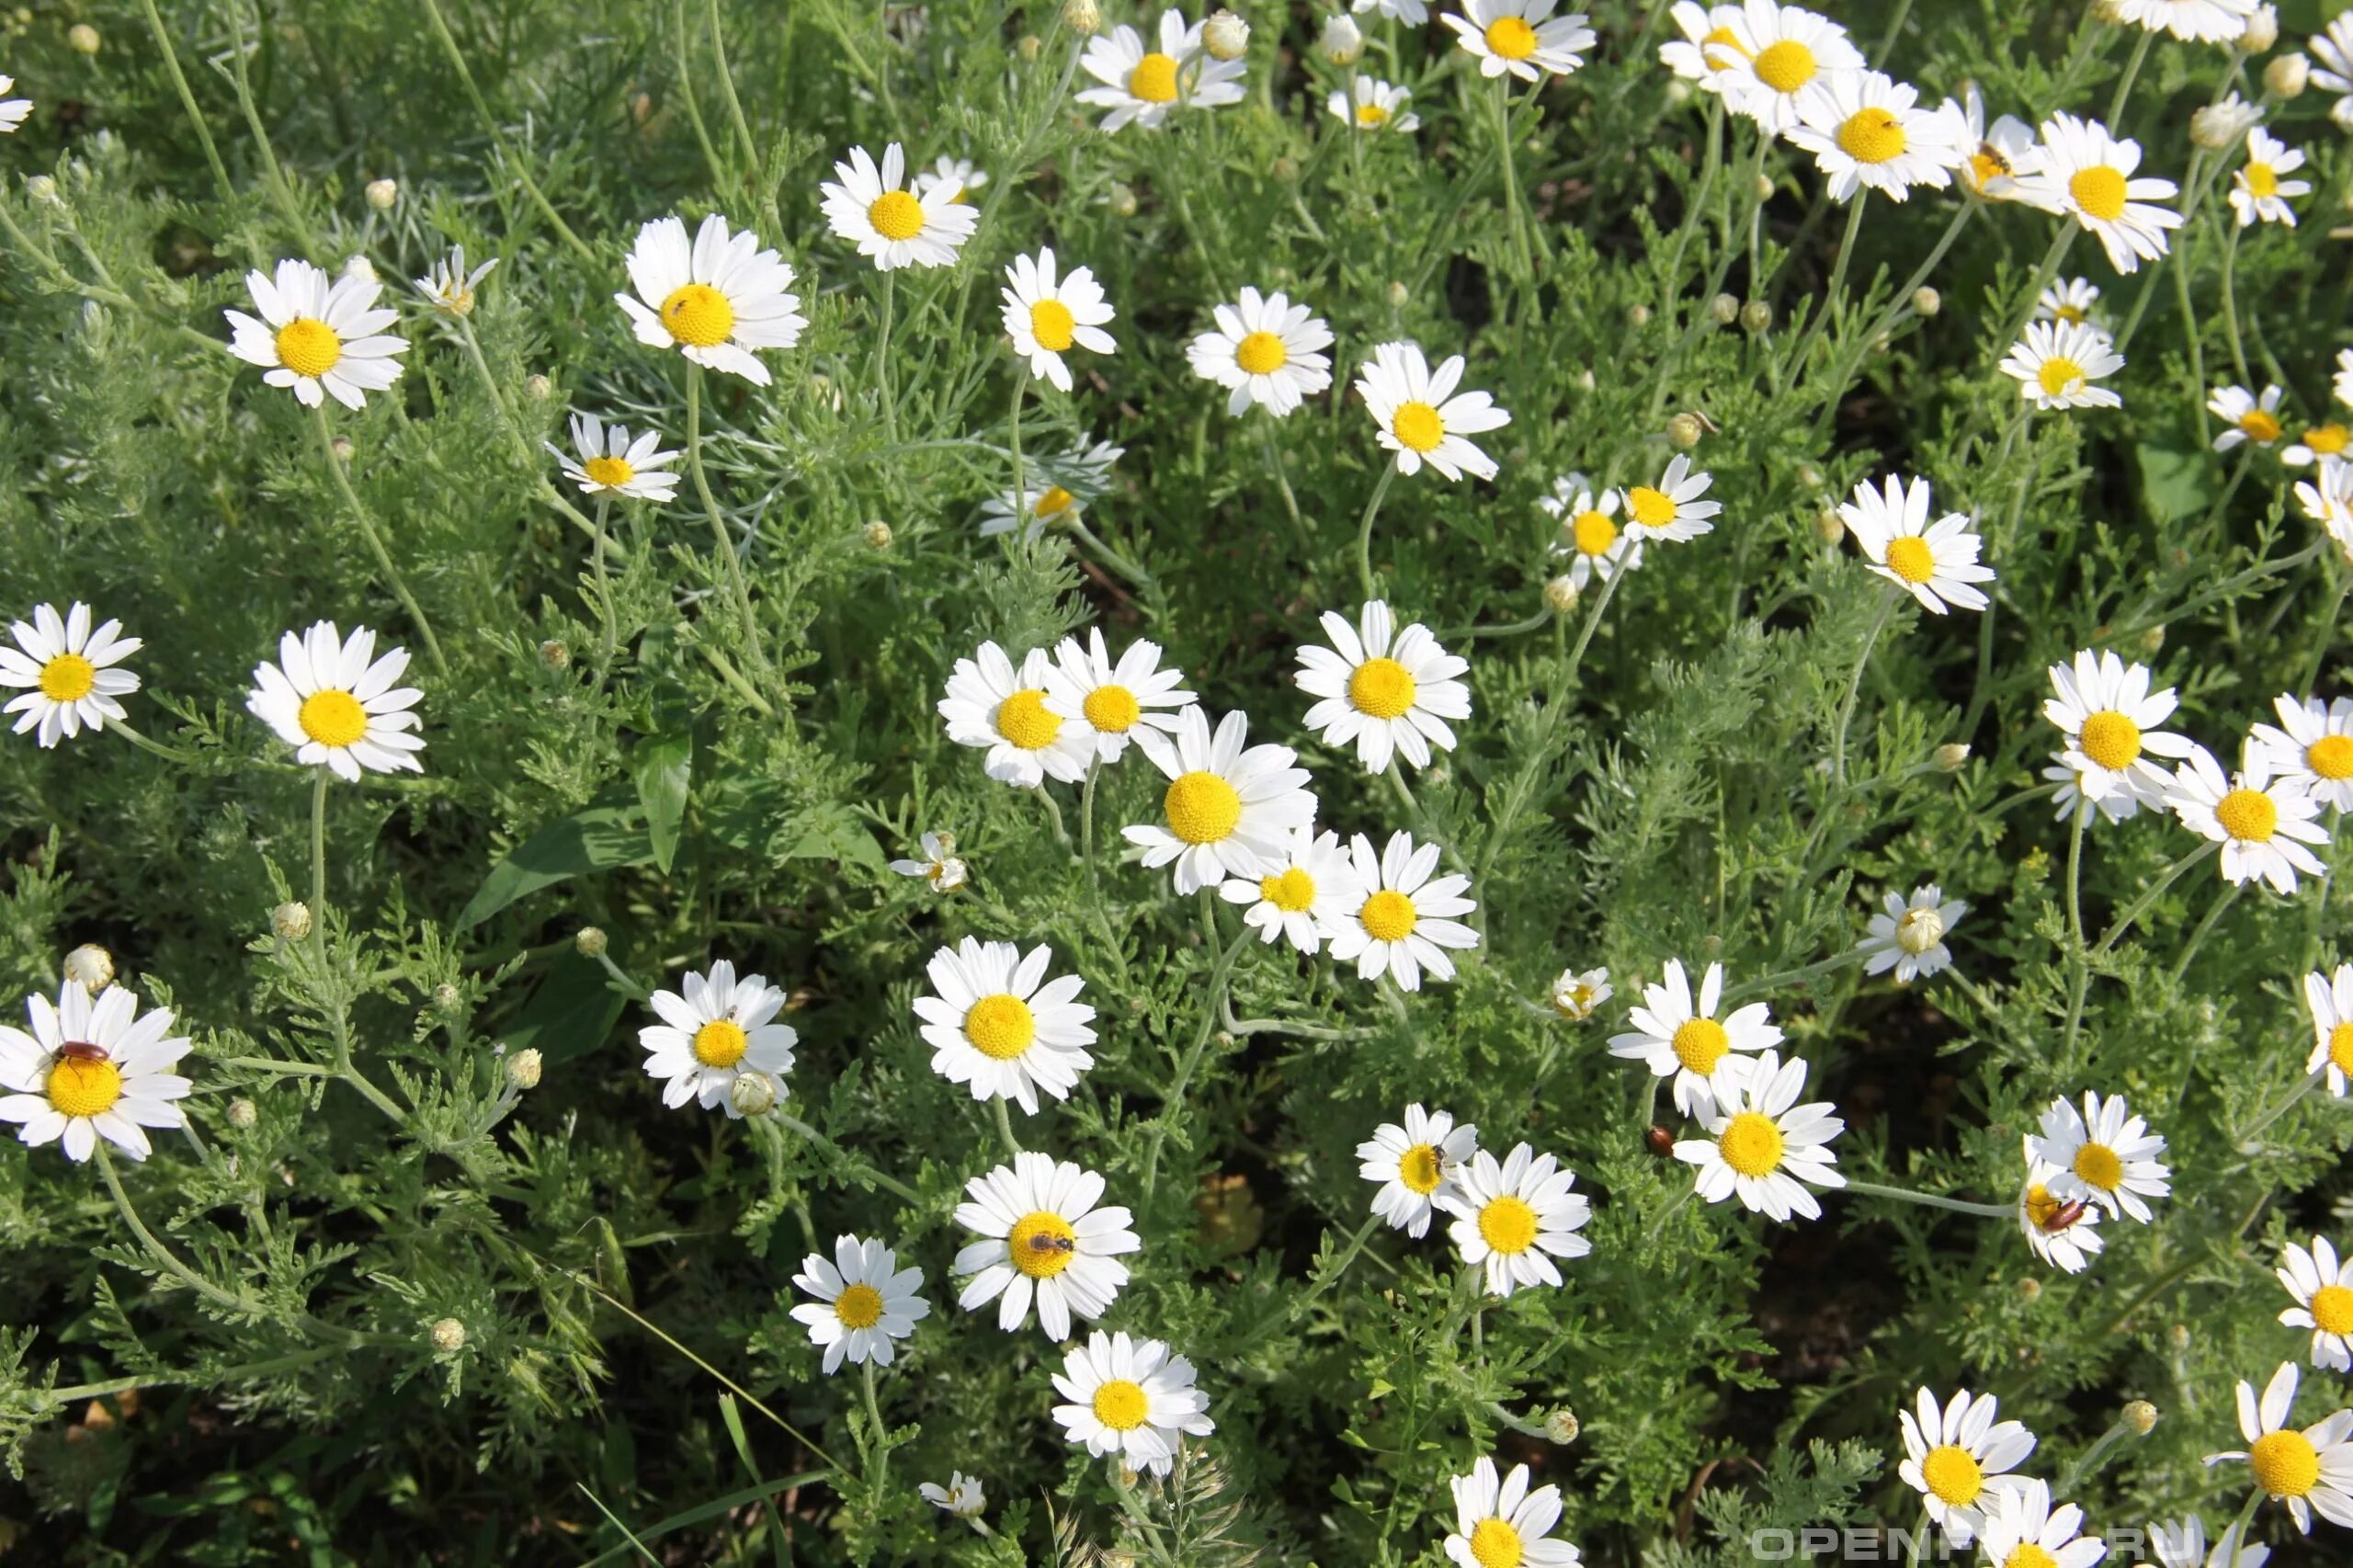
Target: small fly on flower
column 1065, row 1244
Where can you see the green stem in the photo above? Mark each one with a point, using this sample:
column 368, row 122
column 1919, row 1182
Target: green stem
column 1519, row 220
column 1855, row 687
column 1331, row 1277
column 1265, row 423
column 1003, row 1114
column 2287, row 1104
column 882, row 377
column 243, row 1305
column 1838, row 283
column 2087, row 1465
column 319, row 859
column 498, row 137
column 149, row 743
column 2075, row 879
column 2131, row 74
column 1104, row 552
column 873, row 1405
column 2140, row 906
column 720, row 179
column 1219, row 975
column 497, row 399
column 727, row 87
column 889, row 1184
column 721, row 535
column 1931, row 1200
column 604, row 585
column 273, row 176
column 1023, row 506
column 2205, row 927
column 392, row 577
column 2231, row 303
column 188, row 101
column 1364, row 530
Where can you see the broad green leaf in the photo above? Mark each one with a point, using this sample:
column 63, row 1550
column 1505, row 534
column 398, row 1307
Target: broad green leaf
column 663, row 768
column 829, row 832
column 596, row 840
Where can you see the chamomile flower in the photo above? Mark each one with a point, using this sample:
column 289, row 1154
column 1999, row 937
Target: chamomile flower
column 2323, row 1287
column 13, row 112
column 2328, row 501
column 963, row 1496
column 2087, row 174
column 960, row 175
column 2325, row 444
column 1909, row 937
column 2063, row 1232
column 1228, row 810
column 449, row 288
column 1059, row 492
column 2329, row 998
column 1994, row 158
column 92, row 1068
column 2192, row 21
column 2102, row 1154
column 2312, row 1470
column 865, row 1301
column 892, row 226
column 1513, row 1218
column 1043, row 1239
column 1046, row 318
column 1710, row 47
column 1596, row 546
column 1374, row 106
column 318, row 339
column 1935, row 563
column 714, row 299
column 991, row 704
column 2023, row 1530
column 1405, row 921
column 2245, row 417
column 1577, row 998
column 1144, row 87
column 1778, row 58
column 1959, row 1459
column 1498, row 1521
column 1131, row 699
column 2258, row 192
column 1304, row 894
column 336, row 703
column 939, row 867
column 67, row 668
column 1521, row 36
column 997, row 1024
column 2069, row 301
column 1389, row 692
column 2312, row 746
column 1672, row 510
column 1412, row 1163
column 2183, row 1545
column 1762, row 1145
column 1131, row 1398
column 1412, row 13
column 612, row 463
column 2331, row 48
column 2109, row 717
column 2263, row 824
column 2056, row 363
column 713, row 1029
column 1674, row 1036
column 1421, row 417
column 2070, row 798
column 1867, row 130
column 1266, row 350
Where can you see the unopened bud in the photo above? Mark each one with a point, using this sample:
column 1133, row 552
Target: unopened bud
column 2217, row 125
column 40, row 187
column 2142, row 1416
column 1560, row 595
column 241, row 1114
column 447, row 997
column 2179, row 1336
column 1342, row 42
column 1285, row 169
column 1082, row 17
column 554, row 654
column 1585, row 381
column 83, row 38
column 2029, row 1288
column 384, row 193
column 1031, row 47
column 291, row 921
column 1952, row 754
column 1756, row 316
column 752, row 1094
column 90, row 967
column 877, row 534
column 589, row 941
column 342, row 448
column 1926, row 301
column 1397, row 294
column 1765, row 187
column 1684, row 430
column 1638, row 315
column 448, row 1334
column 1809, row 477
column 1225, row 36
column 2286, row 76
column 359, row 269
column 2110, row 11
column 1561, row 1426
column 537, row 388
column 2262, row 30
column 1724, row 309
column 2152, row 640
column 1123, row 201
column 523, row 1069
column 1828, row 525
column 1920, row 931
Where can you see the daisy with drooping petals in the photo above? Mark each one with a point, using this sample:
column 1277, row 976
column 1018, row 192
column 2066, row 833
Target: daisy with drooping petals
column 892, row 226
column 938, row 866
column 2183, row 1545
column 2070, row 301
column 1710, row 47
column 1130, row 1397
column 991, row 704
column 1498, row 1521
column 2325, row 444
column 960, row 175
column 999, row 1025
column 2323, row 1287
column 2072, row 798
column 714, row 299
column 1057, row 493
column 1413, row 1164
column 2055, row 364
column 1228, row 811
column 2245, row 417
column 1305, row 893
column 1992, row 159
column 1867, row 130
column 714, row 1028
column 1959, row 1459
column 1045, row 317
column 1420, row 416
column 13, row 112
column 2087, row 174
column 2313, row 745
column 92, row 1068
column 1374, row 106
column 2259, row 193
column 67, row 667
column 2263, row 824
column 1672, row 1036
column 334, row 702
column 865, row 1301
column 1391, row 692
column 2329, row 998
column 1513, row 1218
column 1405, row 921
column 1144, row 87
column 1672, row 511
column 2063, row 1232
column 1132, row 699
column 2023, row 1530
column 2110, row 715
column 1043, row 1239
column 963, row 1496
column 1590, row 537
column 1935, row 563
column 1266, row 350
column 317, row 339
column 2312, row 1470
column 1763, row 1146
column 2103, row 1154
column 612, row 464
column 1577, row 998
column 1778, row 58
column 2331, row 52
column 1521, row 38
column 449, row 288
column 1910, row 937
column 2192, row 21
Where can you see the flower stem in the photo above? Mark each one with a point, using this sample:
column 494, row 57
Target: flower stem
column 2140, row 906
column 188, row 101
column 1838, row 282
column 164, row 1257
column 889, row 1184
column 2205, row 927
column 1266, row 424
column 1364, row 530
column 319, row 859
column 149, row 743
column 1219, row 975
column 1855, row 687
column 1929, row 1199
column 376, row 542
column 874, row 1420
column 274, row 179
column 882, row 360
column 721, row 535
column 1024, row 510
column 1005, row 1126
column 1519, row 222
column 604, row 585
column 498, row 137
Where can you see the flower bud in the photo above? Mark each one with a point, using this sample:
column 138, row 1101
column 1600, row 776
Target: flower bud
column 1765, row 187
column 342, row 448
column 1828, row 525
column 877, row 534
column 1585, row 381
column 449, row 1336
column 1684, row 431
column 291, row 921
column 1756, row 316
column 446, row 998
column 554, row 654
column 1031, row 47
column 2030, row 1289
column 90, row 967
column 1638, row 315
column 1724, row 309
column 1920, row 931
column 1926, row 301
column 1082, row 17
column 241, row 1114
column 83, row 38
column 523, row 1069
column 2153, row 642
column 359, row 269
column 2179, row 1336
column 1342, row 42
column 2142, row 1416
column 2108, row 11
column 1285, row 168
column 1560, row 595
column 1123, row 201
column 1952, row 754
column 1561, row 1426
column 1397, row 294
column 384, row 193
column 589, row 942
column 2262, row 30
column 537, row 388
column 752, row 1094
column 2286, row 76
column 40, row 187
column 1225, row 36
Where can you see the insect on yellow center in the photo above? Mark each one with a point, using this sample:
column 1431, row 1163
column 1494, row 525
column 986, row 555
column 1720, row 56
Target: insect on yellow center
column 1872, row 136
column 1986, row 165
column 2110, row 739
column 2247, row 815
column 1751, row 1144
column 2044, row 1211
column 1042, row 1244
column 1154, row 80
column 2259, row 426
column 2098, row 1165
column 861, row 1306
column 80, row 1087
column 2331, row 757
column 1051, row 324
column 896, row 215
column 1651, row 508
column 1417, row 1167
column 2059, row 377
column 2285, row 1463
column 1291, row 892
column 1388, row 916
column 721, row 1043
column 1053, row 503
column 1700, row 1044
column 1201, row 808
column 1494, row 1544
column 1261, row 354
column 2332, row 1310
column 2262, row 180
column 2328, row 440
column 1023, row 721
column 2099, row 191
column 2025, row 1554
column 1112, row 710
column 1594, row 533
column 610, row 472
column 67, row 677
column 697, row 315
column 2340, row 1046
column 1507, row 1224
column 1372, row 116
column 1785, row 67
column 1000, row 1026
column 331, row 718
column 1381, row 688
column 1120, row 1404
column 308, row 347
column 1511, row 38
column 1417, row 425
column 1909, row 557
column 1952, row 1474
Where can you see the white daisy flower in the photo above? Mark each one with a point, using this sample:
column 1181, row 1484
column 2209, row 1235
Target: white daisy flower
column 92, row 1068
column 2331, row 50
column 336, row 702
column 1390, row 692
column 2259, row 193
column 939, row 867
column 2055, row 364
column 1374, row 106
column 1672, row 1036
column 2312, row 1470
column 1590, row 537
column 2329, row 998
column 1266, row 350
column 1994, row 158
column 1413, row 1164
column 2110, row 715
column 1045, row 317
column 67, row 667
column 13, row 112
column 715, row 301
column 1042, row 1238
column 1910, row 937
column 1867, row 130
column 2323, row 444
column 1405, row 923
column 2063, row 1232
column 1145, row 85
column 893, row 226
column 2183, row 1545
column 320, row 339
column 2103, row 1154
column 2071, row 301
column 2023, row 1530
column 1935, row 563
column 612, row 463
column 864, row 1302
column 449, row 288
column 1412, row 13
column 2329, row 500
column 999, row 1025
column 1498, row 1520
column 1959, row 1458
column 1131, row 699
column 2262, row 823
column 1130, row 1397
column 2192, row 21
column 1671, row 512
column 2312, row 746
column 1577, row 998
column 963, row 1496
column 1060, row 491
column 992, row 705
column 960, row 176
column 2323, row 1287
column 1304, row 894
column 1521, row 36
column 1512, row 1219
column 1421, row 418
column 2246, row 417
column 1762, row 1145
column 713, row 1029
column 1710, row 48
column 1228, row 811
column 1780, row 57
column 2071, row 799
column 2087, row 174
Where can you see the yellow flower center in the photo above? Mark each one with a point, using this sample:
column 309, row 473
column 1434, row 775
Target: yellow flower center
column 1909, row 557
column 79, row 1087
column 1986, row 165
column 1785, row 67
column 2074, row 316
column 67, row 677
column 333, row 718
column 1952, row 1473
column 1120, row 1404
column 1574, row 1002
column 721, row 1043
column 2332, row 1310
column 1290, row 892
column 1870, row 135
column 2110, row 739
column 2259, row 426
column 1651, row 508
column 1023, row 721
column 610, row 472
column 2331, row 757
column 861, row 1306
column 2247, row 815
column 1112, row 708
column 1594, row 533
column 1719, row 44
column 2043, row 1209
column 2099, row 191
column 1154, row 80
column 2328, row 440
column 896, row 215
column 1511, row 38
column 1000, row 1026
column 1201, row 808
column 1417, row 425
column 1042, row 1244
column 308, row 347
column 2098, row 1165
column 1751, row 1144
column 1507, row 1224
column 697, row 315
column 2285, row 1463
column 2262, row 180
column 2059, row 377
column 1372, row 116
column 1496, row 1545
column 2340, row 1046
column 1381, row 687
column 1700, row 1044
column 1050, row 324
column 1053, row 503
column 1417, row 1167
column 1261, row 354
column 2025, row 1554
column 1388, row 916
